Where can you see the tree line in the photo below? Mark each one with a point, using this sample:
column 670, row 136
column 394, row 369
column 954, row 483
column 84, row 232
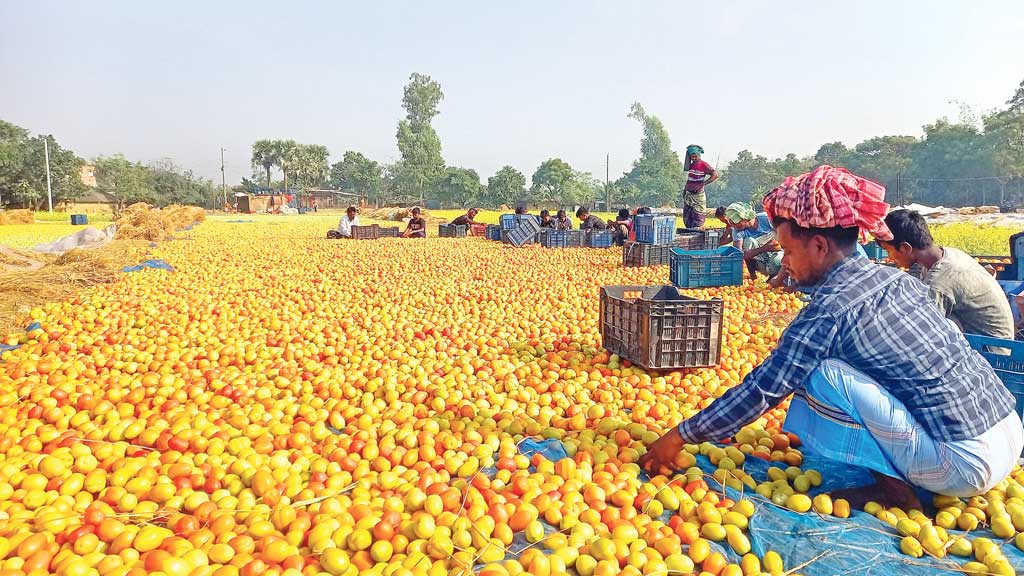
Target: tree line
column 23, row 175
column 977, row 159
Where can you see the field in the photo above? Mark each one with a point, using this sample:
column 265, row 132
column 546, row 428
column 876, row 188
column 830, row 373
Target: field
column 285, row 404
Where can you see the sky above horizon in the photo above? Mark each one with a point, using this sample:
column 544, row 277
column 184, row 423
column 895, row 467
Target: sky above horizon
column 523, row 81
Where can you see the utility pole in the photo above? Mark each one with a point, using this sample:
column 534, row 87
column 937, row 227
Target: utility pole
column 49, row 191
column 607, row 188
column 223, row 181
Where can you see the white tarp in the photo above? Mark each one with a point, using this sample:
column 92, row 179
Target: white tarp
column 88, row 238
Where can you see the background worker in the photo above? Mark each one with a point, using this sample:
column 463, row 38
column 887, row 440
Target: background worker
column 961, row 287
column 589, row 221
column 562, row 221
column 882, row 379
column 754, row 234
column 345, row 225
column 546, row 221
column 726, row 237
column 417, row 226
column 698, row 175
column 621, row 226
column 467, row 218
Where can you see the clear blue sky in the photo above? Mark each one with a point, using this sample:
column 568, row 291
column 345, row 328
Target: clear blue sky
column 523, row 81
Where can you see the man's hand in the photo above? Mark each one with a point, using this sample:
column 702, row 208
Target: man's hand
column 661, row 454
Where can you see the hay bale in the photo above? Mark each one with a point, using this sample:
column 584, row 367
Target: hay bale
column 60, row 279
column 143, row 222
column 16, row 217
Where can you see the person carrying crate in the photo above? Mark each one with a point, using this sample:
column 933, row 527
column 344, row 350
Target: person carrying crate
column 880, row 378
column 698, row 175
column 961, row 287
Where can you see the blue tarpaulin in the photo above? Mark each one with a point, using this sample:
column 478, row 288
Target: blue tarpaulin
column 860, row 545
column 158, row 264
column 29, row 328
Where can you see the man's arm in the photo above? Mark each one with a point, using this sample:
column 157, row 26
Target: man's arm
column 802, row 348
column 713, row 176
column 772, row 246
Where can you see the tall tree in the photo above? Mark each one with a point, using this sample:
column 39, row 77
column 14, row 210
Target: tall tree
column 658, row 173
column 286, row 152
column 506, row 186
column 265, row 153
column 421, row 165
column 127, row 181
column 357, row 173
column 458, row 187
column 310, row 165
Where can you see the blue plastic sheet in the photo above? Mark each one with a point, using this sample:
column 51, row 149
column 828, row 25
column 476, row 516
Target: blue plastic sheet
column 157, row 264
column 9, row 347
column 237, row 221
column 860, row 545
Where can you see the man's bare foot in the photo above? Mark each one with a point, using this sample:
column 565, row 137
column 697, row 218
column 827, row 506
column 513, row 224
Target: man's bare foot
column 886, row 490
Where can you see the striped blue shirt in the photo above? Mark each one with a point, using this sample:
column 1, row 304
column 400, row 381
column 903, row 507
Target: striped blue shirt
column 881, row 322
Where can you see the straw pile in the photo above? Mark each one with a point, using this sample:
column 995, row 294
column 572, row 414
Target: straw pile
column 16, row 217
column 60, row 279
column 143, row 222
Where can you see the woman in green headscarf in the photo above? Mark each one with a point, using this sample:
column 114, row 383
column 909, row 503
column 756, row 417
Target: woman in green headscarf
column 754, row 234
column 698, row 175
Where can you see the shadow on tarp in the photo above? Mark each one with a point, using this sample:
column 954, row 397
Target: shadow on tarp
column 156, row 264
column 860, row 545
column 29, row 328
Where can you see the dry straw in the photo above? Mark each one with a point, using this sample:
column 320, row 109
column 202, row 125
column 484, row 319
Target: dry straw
column 16, row 217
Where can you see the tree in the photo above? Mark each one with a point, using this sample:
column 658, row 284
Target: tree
column 128, row 182
column 658, row 173
column 833, row 154
column 357, row 173
column 286, row 152
column 458, row 187
column 310, row 165
column 23, row 168
column 551, row 179
column 174, row 185
column 421, row 166
column 1016, row 103
column 506, row 186
column 265, row 154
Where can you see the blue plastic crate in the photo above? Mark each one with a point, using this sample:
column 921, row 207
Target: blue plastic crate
column 79, row 219
column 599, row 238
column 654, row 228
column 494, row 232
column 524, row 233
column 875, row 251
column 512, row 221
column 706, row 268
column 1009, row 367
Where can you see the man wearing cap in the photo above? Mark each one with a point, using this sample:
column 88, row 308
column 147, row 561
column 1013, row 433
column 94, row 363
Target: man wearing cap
column 880, row 378
column 698, row 175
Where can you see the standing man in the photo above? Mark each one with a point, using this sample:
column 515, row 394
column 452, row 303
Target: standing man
column 960, row 287
column 698, row 175
column 882, row 379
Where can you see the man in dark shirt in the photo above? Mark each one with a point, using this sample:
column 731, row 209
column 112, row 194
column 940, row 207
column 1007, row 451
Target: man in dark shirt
column 589, row 221
column 467, row 218
column 546, row 221
column 881, row 379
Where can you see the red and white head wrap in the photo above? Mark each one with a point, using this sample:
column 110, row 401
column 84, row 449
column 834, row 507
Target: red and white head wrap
column 827, row 197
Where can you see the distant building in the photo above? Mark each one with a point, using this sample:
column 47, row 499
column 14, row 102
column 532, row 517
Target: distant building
column 87, row 173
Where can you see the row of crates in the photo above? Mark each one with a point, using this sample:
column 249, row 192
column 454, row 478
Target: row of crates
column 529, row 232
column 636, row 254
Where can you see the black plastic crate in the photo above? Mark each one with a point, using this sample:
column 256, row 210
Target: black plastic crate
column 551, row 238
column 710, row 238
column 451, row 231
column 658, row 328
column 371, row 232
column 389, row 232
column 636, row 254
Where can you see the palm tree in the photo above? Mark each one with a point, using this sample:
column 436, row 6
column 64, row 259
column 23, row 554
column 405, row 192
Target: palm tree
column 285, row 153
column 264, row 153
